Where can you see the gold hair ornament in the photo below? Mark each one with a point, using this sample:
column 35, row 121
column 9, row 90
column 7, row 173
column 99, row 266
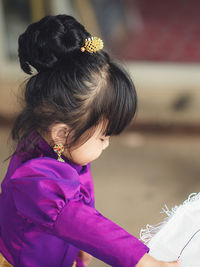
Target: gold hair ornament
column 92, row 45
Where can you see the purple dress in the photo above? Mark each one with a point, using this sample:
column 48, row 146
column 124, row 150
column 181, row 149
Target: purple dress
column 47, row 215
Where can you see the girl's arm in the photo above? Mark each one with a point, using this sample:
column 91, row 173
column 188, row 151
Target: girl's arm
column 45, row 203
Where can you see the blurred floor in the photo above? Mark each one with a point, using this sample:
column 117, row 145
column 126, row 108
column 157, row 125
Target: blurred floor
column 137, row 175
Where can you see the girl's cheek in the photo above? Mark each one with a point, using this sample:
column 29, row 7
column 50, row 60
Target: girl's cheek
column 98, row 152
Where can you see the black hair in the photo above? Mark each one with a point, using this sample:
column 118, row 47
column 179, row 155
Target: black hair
column 77, row 88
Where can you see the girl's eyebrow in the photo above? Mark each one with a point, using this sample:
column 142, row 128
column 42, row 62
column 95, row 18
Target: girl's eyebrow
column 104, row 136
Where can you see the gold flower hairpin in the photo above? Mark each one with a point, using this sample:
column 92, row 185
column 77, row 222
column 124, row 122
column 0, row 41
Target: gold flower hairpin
column 92, row 45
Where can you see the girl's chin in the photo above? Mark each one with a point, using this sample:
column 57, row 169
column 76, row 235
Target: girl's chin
column 81, row 163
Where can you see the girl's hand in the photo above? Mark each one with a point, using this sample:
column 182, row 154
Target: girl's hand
column 148, row 261
column 85, row 257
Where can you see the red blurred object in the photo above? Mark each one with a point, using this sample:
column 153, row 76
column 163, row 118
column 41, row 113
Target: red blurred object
column 170, row 32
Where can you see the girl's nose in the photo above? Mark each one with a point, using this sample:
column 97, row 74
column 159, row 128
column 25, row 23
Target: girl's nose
column 105, row 144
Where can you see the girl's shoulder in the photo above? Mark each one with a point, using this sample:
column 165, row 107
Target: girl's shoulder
column 41, row 187
column 45, row 167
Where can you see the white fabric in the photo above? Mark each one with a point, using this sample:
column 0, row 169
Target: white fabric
column 179, row 235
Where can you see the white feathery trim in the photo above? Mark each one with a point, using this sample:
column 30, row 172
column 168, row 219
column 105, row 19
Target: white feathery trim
column 150, row 230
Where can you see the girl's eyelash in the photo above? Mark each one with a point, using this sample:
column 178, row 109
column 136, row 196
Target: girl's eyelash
column 105, row 138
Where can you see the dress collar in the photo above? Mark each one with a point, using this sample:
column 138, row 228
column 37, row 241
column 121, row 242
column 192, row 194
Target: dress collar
column 45, row 150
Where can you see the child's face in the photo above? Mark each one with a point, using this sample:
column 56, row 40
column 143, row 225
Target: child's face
column 90, row 150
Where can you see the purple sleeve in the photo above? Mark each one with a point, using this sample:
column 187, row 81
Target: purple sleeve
column 61, row 207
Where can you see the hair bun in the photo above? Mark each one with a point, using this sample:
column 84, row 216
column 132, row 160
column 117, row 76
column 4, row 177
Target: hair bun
column 49, row 40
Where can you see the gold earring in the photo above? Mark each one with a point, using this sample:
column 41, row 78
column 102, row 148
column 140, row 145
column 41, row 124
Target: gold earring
column 59, row 148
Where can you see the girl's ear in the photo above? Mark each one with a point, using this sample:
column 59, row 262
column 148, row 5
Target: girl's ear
column 59, row 132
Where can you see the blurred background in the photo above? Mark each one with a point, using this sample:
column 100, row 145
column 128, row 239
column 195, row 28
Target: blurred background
column 156, row 160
